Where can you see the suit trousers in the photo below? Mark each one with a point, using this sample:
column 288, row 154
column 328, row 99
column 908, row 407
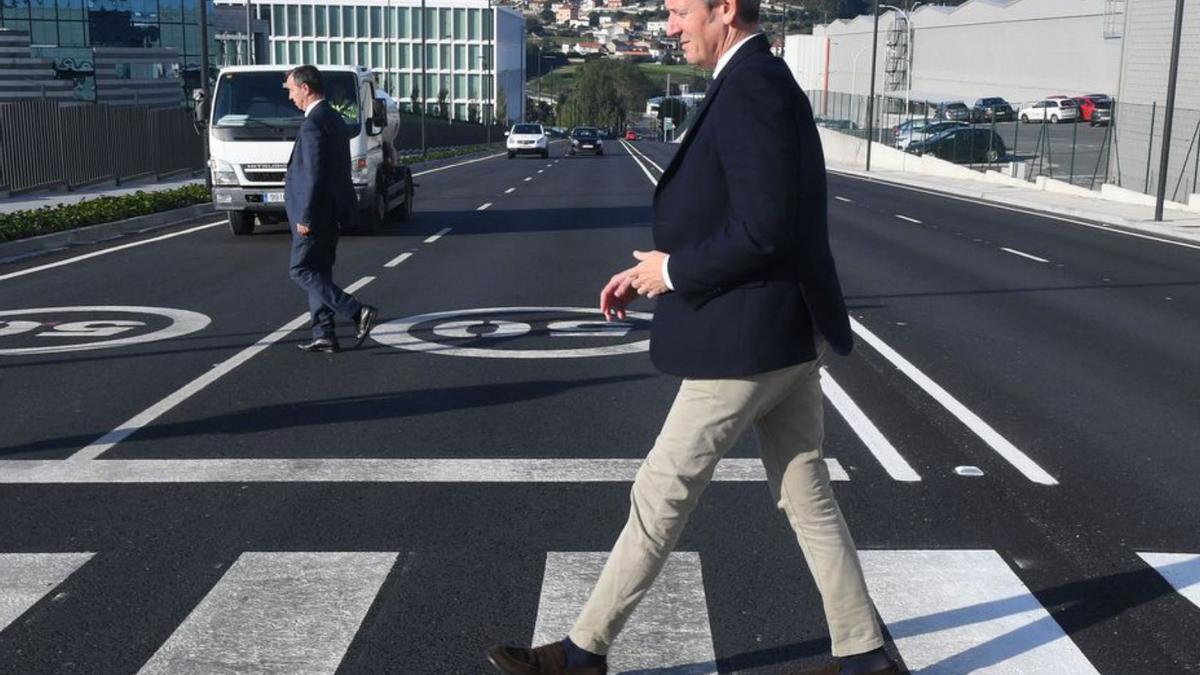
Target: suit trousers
column 312, row 270
column 785, row 409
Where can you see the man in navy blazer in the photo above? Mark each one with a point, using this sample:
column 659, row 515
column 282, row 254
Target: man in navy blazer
column 319, row 196
column 748, row 304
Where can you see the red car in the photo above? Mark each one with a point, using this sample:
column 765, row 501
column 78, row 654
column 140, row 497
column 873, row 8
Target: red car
column 631, row 135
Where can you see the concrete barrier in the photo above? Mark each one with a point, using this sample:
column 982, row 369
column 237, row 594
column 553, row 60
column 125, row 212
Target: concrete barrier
column 91, row 234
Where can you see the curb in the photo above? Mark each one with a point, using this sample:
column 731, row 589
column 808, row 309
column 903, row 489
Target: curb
column 91, row 234
column 1108, row 220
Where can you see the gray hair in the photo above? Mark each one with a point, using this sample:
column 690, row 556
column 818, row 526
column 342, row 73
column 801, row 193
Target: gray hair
column 747, row 9
column 308, row 75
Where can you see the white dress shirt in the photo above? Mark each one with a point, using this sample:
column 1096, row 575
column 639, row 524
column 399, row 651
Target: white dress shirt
column 308, row 108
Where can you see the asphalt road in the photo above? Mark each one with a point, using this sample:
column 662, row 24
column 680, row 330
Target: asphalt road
column 1014, row 438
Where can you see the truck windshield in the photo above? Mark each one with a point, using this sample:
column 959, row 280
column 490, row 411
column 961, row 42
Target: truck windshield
column 255, row 99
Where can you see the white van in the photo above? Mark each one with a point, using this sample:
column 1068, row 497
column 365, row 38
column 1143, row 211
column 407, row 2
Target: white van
column 252, row 127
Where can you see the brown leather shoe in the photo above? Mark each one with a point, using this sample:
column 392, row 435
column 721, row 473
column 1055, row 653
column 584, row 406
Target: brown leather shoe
column 545, row 660
column 835, row 668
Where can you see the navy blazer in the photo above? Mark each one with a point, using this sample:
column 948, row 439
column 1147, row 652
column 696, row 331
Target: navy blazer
column 318, row 191
column 742, row 210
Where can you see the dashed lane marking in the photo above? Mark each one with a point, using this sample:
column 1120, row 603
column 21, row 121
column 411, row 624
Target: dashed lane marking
column 441, row 233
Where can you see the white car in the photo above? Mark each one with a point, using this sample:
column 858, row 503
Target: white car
column 1052, row 110
column 527, row 139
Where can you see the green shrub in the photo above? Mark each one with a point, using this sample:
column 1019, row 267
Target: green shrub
column 449, row 152
column 21, row 224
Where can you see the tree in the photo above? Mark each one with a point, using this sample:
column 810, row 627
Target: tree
column 606, row 92
column 502, row 107
column 443, row 106
column 415, row 99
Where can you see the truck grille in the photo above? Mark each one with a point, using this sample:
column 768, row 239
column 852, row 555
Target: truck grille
column 264, row 174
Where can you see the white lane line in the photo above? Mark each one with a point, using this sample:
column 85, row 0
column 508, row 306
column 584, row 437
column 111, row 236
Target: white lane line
column 550, row 165
column 646, row 171
column 1023, row 255
column 114, row 249
column 528, row 178
column 982, row 429
column 541, row 170
column 1181, row 570
column 509, row 191
column 642, row 155
column 911, row 220
column 669, row 632
column 867, row 432
column 440, row 233
column 276, row 613
column 843, row 199
column 953, row 612
column 45, row 471
column 144, row 418
column 25, row 578
column 398, row 259
column 1040, row 214
column 451, row 166
column 484, row 206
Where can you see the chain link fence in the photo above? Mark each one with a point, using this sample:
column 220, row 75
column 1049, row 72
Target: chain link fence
column 1121, row 147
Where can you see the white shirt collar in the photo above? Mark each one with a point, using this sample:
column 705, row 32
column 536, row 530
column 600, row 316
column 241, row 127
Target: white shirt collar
column 721, row 62
column 311, row 106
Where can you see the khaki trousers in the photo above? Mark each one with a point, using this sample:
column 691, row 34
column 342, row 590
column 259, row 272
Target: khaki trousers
column 785, row 408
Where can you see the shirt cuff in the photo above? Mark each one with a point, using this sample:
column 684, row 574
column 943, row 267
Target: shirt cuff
column 665, row 274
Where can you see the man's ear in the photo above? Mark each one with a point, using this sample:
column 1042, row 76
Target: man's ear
column 729, row 11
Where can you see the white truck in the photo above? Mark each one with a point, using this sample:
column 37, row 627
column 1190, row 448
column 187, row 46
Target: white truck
column 251, row 129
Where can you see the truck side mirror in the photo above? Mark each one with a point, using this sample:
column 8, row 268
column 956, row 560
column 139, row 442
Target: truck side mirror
column 378, row 114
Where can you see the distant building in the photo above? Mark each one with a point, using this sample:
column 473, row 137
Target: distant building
column 565, row 13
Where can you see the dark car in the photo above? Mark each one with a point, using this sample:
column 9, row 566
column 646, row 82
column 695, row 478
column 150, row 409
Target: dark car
column 586, row 139
column 953, row 110
column 964, row 144
column 1101, row 114
column 992, row 109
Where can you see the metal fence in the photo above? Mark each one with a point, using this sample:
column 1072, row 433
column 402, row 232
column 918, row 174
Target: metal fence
column 47, row 145
column 440, row 133
column 1123, row 151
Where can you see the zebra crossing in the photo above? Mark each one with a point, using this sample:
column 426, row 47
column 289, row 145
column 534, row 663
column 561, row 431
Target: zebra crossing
column 947, row 611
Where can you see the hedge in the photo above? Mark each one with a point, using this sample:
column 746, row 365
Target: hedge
column 29, row 223
column 446, row 153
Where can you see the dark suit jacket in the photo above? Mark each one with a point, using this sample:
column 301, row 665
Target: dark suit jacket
column 318, row 190
column 742, row 211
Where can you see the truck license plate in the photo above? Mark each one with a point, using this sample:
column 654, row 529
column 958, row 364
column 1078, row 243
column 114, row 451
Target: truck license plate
column 273, row 197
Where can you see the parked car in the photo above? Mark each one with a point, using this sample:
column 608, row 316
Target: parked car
column 963, row 144
column 916, row 135
column 527, row 139
column 1101, row 115
column 1088, row 103
column 631, row 135
column 991, row 109
column 1052, row 110
column 586, row 139
column 953, row 110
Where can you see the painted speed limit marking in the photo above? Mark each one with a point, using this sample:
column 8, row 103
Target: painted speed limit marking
column 456, row 333
column 50, row 330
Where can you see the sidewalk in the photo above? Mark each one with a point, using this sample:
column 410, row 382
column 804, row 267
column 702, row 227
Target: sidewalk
column 1177, row 224
column 37, row 201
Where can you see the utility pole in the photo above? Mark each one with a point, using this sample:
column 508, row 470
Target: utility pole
column 249, row 33
column 871, row 99
column 204, row 84
column 1172, row 79
column 424, row 78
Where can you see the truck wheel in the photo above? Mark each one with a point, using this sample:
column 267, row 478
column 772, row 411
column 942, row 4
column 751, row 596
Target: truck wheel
column 241, row 223
column 406, row 208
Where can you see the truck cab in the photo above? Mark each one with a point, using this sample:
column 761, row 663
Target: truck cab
column 253, row 126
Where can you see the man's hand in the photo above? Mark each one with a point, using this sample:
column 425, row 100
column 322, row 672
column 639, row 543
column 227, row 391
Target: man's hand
column 647, row 275
column 616, row 295
column 303, row 230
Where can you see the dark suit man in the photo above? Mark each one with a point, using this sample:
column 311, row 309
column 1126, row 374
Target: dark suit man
column 749, row 300
column 320, row 198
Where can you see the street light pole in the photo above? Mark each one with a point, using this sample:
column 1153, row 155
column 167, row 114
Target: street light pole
column 1172, row 79
column 204, row 84
column 871, row 99
column 249, row 33
column 424, row 77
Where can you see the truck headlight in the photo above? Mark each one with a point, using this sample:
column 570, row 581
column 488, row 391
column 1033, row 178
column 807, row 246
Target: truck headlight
column 360, row 171
column 222, row 172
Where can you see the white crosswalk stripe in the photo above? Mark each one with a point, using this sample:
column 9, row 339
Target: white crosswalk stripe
column 1181, row 570
column 276, row 613
column 26, row 578
column 669, row 632
column 953, row 612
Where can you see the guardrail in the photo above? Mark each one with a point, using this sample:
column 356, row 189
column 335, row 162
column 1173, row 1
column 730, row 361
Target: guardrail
column 47, row 145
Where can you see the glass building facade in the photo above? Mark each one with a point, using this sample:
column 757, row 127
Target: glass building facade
column 444, row 56
column 65, row 31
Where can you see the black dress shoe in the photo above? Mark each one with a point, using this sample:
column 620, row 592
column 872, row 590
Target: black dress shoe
column 364, row 324
column 327, row 345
